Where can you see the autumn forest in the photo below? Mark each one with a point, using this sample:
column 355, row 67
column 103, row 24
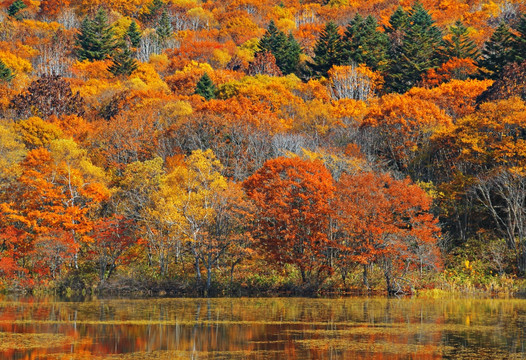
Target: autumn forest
column 229, row 147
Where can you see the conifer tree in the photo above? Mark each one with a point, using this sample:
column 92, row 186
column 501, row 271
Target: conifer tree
column 364, row 44
column 15, row 7
column 460, row 45
column 133, row 34
column 95, row 40
column 418, row 51
column 152, row 10
column 519, row 41
column 286, row 50
column 497, row 52
column 327, row 51
column 205, row 87
column 6, row 74
column 164, row 28
column 123, row 62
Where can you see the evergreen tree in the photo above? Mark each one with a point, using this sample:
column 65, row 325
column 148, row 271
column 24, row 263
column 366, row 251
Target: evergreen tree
column 364, row 44
column 497, row 52
column 152, row 10
column 519, row 41
column 286, row 50
column 460, row 45
column 123, row 62
column 418, row 52
column 164, row 28
column 95, row 40
column 15, row 7
column 327, row 51
column 205, row 87
column 133, row 34
column 6, row 74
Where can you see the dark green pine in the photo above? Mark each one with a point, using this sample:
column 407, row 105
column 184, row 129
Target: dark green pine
column 15, row 7
column 286, row 49
column 133, row 34
column 418, row 52
column 164, row 28
column 497, row 52
column 460, row 46
column 152, row 10
column 328, row 50
column 6, row 74
column 364, row 44
column 205, row 87
column 399, row 21
column 123, row 64
column 96, row 39
column 519, row 41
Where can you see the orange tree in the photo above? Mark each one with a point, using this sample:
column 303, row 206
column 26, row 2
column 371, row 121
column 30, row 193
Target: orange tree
column 292, row 200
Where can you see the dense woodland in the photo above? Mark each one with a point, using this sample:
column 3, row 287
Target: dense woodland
column 261, row 145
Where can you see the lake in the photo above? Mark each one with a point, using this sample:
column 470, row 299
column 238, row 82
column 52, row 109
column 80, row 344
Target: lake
column 263, row 328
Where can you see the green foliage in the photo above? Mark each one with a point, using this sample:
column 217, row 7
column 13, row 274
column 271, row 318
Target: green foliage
column 328, row 50
column 96, row 39
column 460, row 45
column 205, row 87
column 123, row 62
column 164, row 29
column 152, row 10
column 364, row 44
column 497, row 52
column 15, row 7
column 133, row 34
column 6, row 74
column 519, row 41
column 285, row 49
column 417, row 52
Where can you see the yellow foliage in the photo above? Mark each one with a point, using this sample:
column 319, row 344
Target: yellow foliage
column 145, row 77
column 17, row 64
column 120, row 27
column 160, row 62
column 92, row 69
column 221, row 57
column 35, row 132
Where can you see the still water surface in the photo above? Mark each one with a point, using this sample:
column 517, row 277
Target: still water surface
column 264, row 328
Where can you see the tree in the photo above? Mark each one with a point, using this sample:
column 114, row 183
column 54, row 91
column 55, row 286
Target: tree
column 264, row 63
column 417, row 52
column 53, row 7
column 133, row 34
column 205, row 87
column 6, row 74
column 96, row 39
column 122, row 61
column 286, row 50
column 164, row 28
column 327, row 51
column 385, row 221
column 292, row 207
column 460, row 45
column 364, row 44
column 46, row 96
column 15, row 7
column 152, row 10
column 519, row 41
column 497, row 52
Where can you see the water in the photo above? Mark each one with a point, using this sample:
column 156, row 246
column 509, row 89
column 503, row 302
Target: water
column 273, row 328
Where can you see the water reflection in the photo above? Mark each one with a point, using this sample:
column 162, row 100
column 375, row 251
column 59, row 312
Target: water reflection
column 351, row 328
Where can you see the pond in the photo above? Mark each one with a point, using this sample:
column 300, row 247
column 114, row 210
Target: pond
column 263, row 328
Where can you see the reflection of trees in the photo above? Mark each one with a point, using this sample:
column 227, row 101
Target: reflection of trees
column 280, row 328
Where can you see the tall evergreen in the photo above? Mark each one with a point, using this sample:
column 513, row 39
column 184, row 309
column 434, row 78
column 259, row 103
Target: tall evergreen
column 519, row 41
column 205, row 87
column 152, row 10
column 460, row 45
column 164, row 28
column 286, row 49
column 96, row 39
column 328, row 50
column 364, row 44
column 417, row 53
column 123, row 64
column 6, row 74
column 133, row 34
column 15, row 7
column 497, row 52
